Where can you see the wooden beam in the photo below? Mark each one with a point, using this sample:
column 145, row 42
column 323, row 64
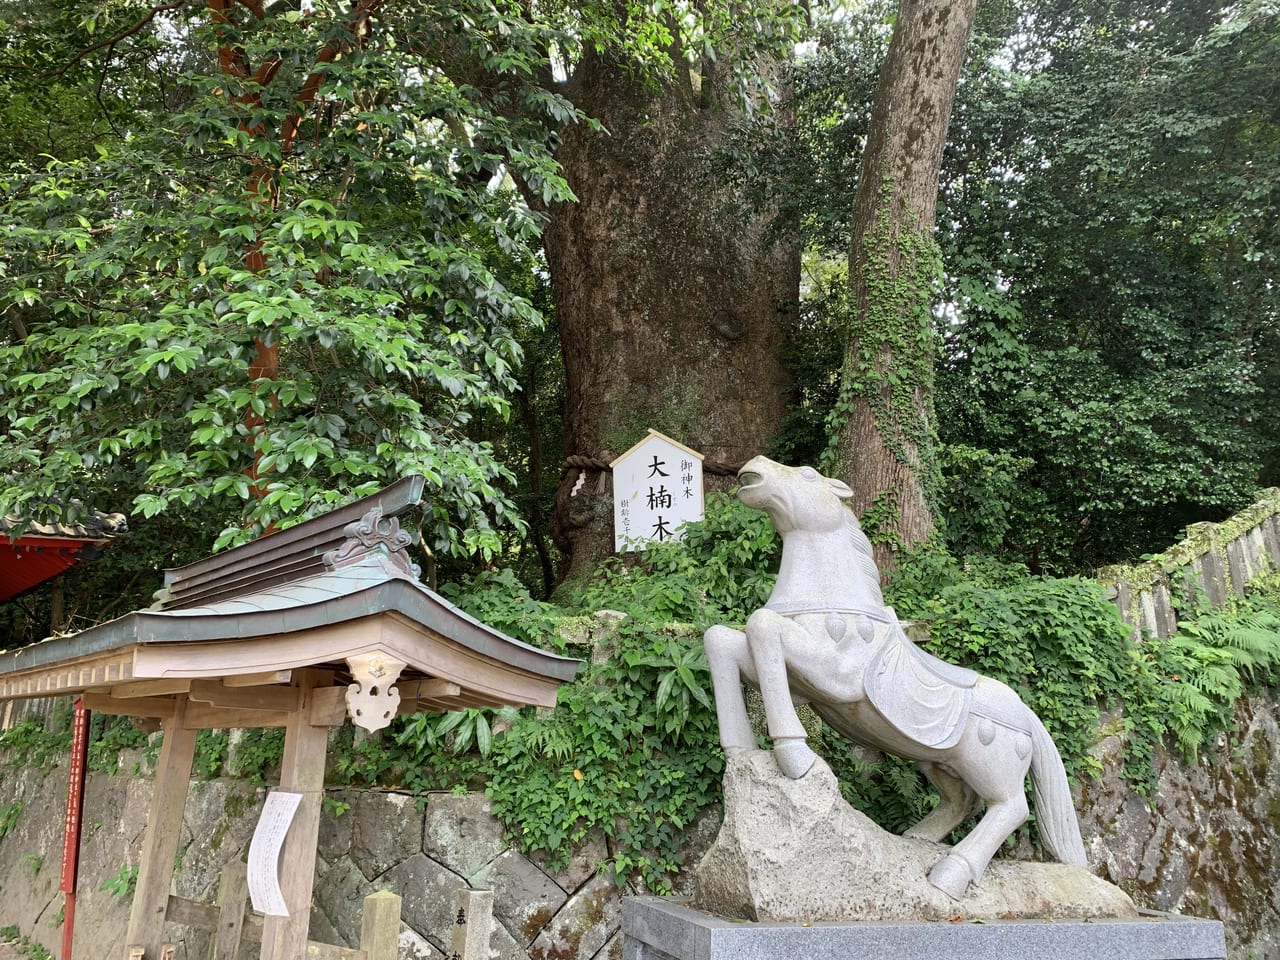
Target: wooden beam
column 431, row 688
column 233, row 892
column 164, row 830
column 115, row 666
column 258, row 679
column 408, row 707
column 149, row 688
column 206, row 916
column 160, row 708
column 301, row 771
column 327, row 706
column 284, row 699
column 201, row 716
column 327, row 951
column 191, row 913
column 435, row 706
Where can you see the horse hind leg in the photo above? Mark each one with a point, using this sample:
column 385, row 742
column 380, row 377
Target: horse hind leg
column 957, row 802
column 996, row 776
column 968, row 859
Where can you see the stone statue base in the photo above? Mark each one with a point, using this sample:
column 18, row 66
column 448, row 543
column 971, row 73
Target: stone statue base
column 794, row 851
column 654, row 928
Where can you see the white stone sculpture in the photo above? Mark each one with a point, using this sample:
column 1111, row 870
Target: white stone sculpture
column 825, row 637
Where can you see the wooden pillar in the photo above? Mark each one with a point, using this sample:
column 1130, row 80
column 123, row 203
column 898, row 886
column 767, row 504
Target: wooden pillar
column 233, row 890
column 380, row 926
column 164, row 830
column 301, row 771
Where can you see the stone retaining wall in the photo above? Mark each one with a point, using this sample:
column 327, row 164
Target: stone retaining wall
column 380, row 840
column 1203, row 843
column 1217, row 559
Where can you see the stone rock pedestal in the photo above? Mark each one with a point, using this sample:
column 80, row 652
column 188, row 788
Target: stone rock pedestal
column 793, row 851
column 655, row 928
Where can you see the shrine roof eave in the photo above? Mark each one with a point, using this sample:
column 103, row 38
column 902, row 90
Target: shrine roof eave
column 405, row 597
column 29, row 561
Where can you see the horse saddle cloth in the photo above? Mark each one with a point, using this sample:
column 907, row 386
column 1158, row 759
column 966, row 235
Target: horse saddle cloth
column 922, row 697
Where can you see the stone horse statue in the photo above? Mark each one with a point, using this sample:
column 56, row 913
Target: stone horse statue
column 825, row 637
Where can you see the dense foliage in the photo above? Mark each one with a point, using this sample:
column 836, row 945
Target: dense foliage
column 1114, row 195
column 355, row 234
column 1108, row 232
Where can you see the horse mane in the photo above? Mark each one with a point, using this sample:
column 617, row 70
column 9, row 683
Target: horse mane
column 864, row 564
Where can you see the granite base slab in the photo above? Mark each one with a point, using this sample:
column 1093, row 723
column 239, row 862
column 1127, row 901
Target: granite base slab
column 659, row 928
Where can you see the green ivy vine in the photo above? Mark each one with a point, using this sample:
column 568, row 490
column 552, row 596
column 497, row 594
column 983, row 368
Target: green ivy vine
column 892, row 348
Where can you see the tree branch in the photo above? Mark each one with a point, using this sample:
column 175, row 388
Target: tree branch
column 364, row 12
column 19, row 328
column 110, row 42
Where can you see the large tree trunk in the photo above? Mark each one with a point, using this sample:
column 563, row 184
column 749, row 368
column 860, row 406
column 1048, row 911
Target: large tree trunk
column 670, row 306
column 885, row 436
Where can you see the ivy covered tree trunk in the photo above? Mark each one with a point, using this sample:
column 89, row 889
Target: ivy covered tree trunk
column 670, row 303
column 883, row 436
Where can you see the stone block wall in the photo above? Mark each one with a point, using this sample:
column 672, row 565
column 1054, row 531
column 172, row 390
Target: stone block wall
column 1216, row 559
column 1203, row 842
column 379, row 841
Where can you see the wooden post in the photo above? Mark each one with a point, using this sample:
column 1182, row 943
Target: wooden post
column 160, row 842
column 233, row 891
column 380, row 926
column 472, row 925
column 301, row 771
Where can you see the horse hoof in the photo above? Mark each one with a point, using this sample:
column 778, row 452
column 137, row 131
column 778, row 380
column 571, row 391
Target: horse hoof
column 794, row 758
column 951, row 875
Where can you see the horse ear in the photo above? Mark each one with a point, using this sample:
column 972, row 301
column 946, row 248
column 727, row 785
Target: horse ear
column 841, row 489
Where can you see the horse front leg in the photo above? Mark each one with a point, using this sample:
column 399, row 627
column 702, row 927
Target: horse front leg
column 729, row 660
column 768, row 635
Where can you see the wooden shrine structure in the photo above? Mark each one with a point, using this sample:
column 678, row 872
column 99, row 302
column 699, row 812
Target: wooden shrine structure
column 301, row 630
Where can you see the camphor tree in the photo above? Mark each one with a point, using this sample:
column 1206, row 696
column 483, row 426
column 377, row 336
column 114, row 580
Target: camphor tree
column 286, row 292
column 669, row 298
column 282, row 293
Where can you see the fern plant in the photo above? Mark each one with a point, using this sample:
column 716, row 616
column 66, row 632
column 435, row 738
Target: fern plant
column 1211, row 661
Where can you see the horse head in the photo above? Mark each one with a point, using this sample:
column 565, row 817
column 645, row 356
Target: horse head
column 796, row 498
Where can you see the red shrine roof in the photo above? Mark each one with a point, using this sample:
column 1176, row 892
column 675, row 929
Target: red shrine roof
column 44, row 550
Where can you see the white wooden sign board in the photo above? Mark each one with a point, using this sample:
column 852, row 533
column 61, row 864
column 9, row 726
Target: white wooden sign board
column 657, row 487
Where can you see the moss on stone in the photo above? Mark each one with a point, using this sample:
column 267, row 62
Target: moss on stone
column 1201, row 539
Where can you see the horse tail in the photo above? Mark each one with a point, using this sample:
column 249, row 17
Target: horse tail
column 1055, row 812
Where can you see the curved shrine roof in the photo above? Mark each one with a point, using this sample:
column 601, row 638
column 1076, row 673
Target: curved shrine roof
column 325, row 594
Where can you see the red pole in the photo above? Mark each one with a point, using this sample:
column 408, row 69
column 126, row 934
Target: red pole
column 72, row 823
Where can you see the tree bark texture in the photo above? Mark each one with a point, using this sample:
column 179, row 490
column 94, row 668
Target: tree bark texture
column 670, row 306
column 884, row 435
